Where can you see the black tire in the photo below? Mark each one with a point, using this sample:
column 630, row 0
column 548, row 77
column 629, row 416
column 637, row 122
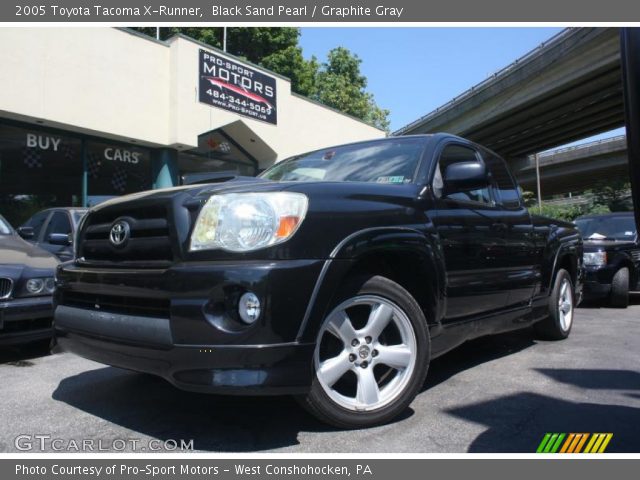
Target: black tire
column 323, row 407
column 552, row 328
column 619, row 297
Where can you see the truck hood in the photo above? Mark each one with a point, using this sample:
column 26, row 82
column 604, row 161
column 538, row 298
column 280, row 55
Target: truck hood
column 237, row 184
column 252, row 184
column 15, row 251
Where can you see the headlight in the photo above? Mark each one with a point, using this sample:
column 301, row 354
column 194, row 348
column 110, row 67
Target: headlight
column 35, row 286
column 596, row 259
column 241, row 222
column 40, row 286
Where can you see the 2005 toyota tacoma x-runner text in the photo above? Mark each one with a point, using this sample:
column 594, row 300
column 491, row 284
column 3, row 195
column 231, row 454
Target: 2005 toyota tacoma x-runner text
column 335, row 276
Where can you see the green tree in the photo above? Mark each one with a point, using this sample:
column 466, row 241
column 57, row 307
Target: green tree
column 290, row 63
column 341, row 85
column 567, row 212
column 275, row 48
column 209, row 35
column 615, row 194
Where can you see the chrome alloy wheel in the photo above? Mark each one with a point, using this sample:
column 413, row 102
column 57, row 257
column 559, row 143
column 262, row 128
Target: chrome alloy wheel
column 369, row 367
column 565, row 305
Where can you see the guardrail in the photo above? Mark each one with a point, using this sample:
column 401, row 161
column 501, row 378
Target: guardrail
column 578, row 199
column 494, row 77
column 579, row 147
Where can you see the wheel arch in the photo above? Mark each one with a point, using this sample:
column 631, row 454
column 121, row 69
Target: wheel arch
column 406, row 256
column 568, row 255
column 569, row 262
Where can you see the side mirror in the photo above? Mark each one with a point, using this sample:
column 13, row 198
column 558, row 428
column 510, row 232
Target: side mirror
column 59, row 239
column 463, row 176
column 26, row 232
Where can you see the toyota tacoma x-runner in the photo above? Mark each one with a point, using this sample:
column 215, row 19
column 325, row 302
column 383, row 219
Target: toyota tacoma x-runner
column 335, row 276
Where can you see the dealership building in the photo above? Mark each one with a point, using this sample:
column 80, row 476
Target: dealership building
column 91, row 113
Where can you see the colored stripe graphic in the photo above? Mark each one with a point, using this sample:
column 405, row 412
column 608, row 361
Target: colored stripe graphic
column 581, row 443
column 590, row 444
column 566, row 445
column 574, row 443
column 543, row 443
column 604, row 445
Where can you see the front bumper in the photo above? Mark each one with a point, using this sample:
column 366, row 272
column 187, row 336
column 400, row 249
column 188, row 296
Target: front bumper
column 598, row 280
column 181, row 323
column 25, row 320
column 236, row 370
column 596, row 290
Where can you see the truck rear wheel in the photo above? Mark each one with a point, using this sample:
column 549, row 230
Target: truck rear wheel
column 557, row 325
column 619, row 296
column 371, row 355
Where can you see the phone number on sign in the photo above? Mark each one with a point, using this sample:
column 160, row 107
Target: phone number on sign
column 239, row 101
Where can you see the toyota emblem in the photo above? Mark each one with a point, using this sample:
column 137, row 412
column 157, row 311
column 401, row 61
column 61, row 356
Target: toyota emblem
column 119, row 233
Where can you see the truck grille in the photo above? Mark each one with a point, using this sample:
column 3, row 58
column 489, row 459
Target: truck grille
column 149, row 239
column 6, row 284
column 635, row 254
column 142, row 307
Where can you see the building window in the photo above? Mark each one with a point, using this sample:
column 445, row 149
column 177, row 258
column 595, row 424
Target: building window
column 38, row 169
column 115, row 169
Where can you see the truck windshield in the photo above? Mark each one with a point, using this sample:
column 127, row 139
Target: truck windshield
column 607, row 228
column 392, row 161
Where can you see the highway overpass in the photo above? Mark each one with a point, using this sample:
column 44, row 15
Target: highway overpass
column 566, row 89
column 574, row 169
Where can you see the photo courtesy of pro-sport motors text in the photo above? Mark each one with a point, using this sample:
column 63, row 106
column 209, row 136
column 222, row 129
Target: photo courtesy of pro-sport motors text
column 319, row 239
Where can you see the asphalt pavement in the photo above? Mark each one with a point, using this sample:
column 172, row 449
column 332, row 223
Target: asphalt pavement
column 495, row 394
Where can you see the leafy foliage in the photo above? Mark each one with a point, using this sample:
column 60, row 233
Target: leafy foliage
column 568, row 212
column 341, row 85
column 606, row 196
column 337, row 83
column 613, row 194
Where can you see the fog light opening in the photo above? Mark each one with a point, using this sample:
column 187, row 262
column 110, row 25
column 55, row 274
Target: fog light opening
column 249, row 308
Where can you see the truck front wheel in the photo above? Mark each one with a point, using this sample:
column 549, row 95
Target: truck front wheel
column 557, row 325
column 371, row 356
column 619, row 297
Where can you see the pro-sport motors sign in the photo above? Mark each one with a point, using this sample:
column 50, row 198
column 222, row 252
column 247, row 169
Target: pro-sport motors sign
column 237, row 88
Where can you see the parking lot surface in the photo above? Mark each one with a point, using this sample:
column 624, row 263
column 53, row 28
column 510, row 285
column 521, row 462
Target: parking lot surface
column 495, row 394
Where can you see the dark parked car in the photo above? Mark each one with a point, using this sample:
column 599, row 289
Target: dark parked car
column 335, row 276
column 611, row 256
column 26, row 287
column 53, row 230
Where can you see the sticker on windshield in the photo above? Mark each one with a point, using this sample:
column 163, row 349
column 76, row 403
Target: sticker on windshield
column 396, row 179
column 628, row 233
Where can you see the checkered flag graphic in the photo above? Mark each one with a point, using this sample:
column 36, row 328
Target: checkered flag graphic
column 68, row 151
column 93, row 165
column 32, row 157
column 119, row 179
column 224, row 147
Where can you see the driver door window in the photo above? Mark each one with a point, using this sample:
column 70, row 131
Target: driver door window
column 454, row 154
column 472, row 249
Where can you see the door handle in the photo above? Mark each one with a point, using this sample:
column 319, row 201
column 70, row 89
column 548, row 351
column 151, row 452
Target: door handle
column 499, row 227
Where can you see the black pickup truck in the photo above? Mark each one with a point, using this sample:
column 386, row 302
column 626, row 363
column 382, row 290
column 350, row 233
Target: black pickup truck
column 335, row 276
